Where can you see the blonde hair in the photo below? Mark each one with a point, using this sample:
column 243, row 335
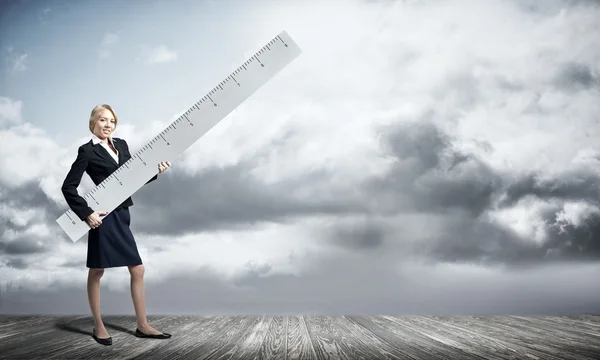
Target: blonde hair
column 95, row 115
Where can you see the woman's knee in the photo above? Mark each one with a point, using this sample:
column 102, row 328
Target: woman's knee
column 96, row 273
column 137, row 271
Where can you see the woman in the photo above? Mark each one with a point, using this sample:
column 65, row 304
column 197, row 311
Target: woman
column 110, row 241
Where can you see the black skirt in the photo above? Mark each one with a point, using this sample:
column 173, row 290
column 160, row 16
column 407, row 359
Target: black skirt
column 112, row 244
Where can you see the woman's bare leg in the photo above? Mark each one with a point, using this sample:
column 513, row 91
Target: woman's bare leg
column 139, row 299
column 93, row 289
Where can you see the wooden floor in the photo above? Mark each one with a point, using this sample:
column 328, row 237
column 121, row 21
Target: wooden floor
column 307, row 337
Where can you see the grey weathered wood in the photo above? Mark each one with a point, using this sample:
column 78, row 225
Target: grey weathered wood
column 274, row 343
column 307, row 337
column 299, row 346
column 492, row 344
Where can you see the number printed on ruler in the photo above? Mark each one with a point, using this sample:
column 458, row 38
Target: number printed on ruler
column 185, row 130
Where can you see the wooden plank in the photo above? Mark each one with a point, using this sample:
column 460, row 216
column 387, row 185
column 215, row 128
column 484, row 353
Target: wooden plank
column 418, row 327
column 199, row 334
column 224, row 346
column 324, row 345
column 492, row 338
column 274, row 345
column 38, row 338
column 494, row 335
column 557, row 335
column 16, row 330
column 377, row 346
column 18, row 323
column 535, row 343
column 248, row 345
column 220, row 339
column 330, row 340
column 401, row 339
column 564, row 327
column 363, row 340
column 428, row 339
column 299, row 346
column 593, row 320
column 469, row 341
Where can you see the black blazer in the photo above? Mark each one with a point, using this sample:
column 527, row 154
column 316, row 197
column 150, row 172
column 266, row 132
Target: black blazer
column 98, row 164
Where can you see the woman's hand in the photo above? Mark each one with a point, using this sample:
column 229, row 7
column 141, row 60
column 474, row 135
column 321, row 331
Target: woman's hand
column 94, row 218
column 163, row 166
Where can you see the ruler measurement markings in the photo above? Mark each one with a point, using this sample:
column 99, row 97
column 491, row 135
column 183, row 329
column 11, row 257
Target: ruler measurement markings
column 162, row 137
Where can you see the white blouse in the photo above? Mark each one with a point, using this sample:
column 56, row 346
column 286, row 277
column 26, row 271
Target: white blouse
column 96, row 140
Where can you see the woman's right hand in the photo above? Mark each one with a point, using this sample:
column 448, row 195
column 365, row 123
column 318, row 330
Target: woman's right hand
column 94, row 218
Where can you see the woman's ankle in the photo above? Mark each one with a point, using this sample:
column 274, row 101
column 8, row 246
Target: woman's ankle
column 143, row 324
column 99, row 324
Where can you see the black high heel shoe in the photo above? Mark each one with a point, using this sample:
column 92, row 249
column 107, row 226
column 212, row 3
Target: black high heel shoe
column 140, row 334
column 104, row 341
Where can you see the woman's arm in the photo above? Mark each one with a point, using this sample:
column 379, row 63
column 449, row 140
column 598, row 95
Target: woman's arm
column 69, row 187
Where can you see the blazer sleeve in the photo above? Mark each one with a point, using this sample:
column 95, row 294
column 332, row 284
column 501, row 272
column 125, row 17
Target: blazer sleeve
column 69, row 187
column 129, row 155
column 151, row 179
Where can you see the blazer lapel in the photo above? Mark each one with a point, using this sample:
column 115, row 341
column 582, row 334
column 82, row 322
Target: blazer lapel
column 117, row 145
column 102, row 152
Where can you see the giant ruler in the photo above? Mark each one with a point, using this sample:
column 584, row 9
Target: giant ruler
column 185, row 131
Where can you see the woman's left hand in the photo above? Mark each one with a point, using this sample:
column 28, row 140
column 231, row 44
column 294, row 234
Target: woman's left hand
column 163, row 166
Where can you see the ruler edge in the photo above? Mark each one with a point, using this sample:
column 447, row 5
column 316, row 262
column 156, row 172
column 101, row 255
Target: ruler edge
column 282, row 36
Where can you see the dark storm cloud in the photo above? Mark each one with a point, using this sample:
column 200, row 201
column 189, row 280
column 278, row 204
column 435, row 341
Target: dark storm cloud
column 359, row 234
column 28, row 196
column 564, row 241
column 432, row 178
column 17, row 263
column 575, row 76
column 580, row 184
column 573, row 242
column 17, row 252
column 224, row 198
column 24, row 245
column 429, row 175
column 469, row 240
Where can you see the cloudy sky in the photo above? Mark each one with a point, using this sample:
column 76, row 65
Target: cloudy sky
column 426, row 157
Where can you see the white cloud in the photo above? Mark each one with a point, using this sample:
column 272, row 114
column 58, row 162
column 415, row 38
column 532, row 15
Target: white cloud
column 43, row 14
column 158, row 55
column 17, row 61
column 20, row 63
column 107, row 44
column 28, row 154
column 10, row 112
column 526, row 218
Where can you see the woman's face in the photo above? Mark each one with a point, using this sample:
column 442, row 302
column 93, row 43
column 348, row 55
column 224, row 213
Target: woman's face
column 105, row 125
